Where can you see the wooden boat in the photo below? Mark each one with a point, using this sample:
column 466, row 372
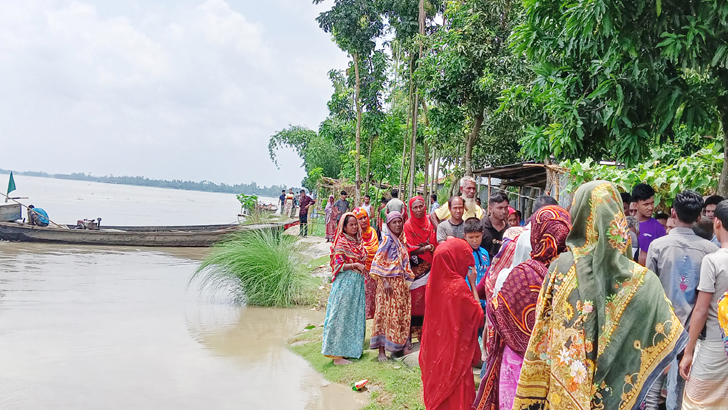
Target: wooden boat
column 196, row 235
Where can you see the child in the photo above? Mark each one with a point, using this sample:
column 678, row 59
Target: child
column 706, row 368
column 473, row 230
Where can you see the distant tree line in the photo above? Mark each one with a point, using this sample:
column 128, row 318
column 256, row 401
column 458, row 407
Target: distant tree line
column 206, row 186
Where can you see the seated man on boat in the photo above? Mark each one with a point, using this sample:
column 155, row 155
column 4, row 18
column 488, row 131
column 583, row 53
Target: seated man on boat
column 37, row 216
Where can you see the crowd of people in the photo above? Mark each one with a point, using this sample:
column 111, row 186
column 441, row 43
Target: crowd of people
column 601, row 305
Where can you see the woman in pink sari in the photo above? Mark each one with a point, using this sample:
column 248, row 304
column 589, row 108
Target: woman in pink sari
column 330, row 219
column 511, row 309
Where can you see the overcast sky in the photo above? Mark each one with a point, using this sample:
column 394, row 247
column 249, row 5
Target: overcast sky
column 168, row 89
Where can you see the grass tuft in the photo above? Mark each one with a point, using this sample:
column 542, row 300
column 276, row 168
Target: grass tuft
column 261, row 268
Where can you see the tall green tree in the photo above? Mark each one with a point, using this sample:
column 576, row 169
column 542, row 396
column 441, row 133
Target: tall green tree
column 614, row 79
column 354, row 25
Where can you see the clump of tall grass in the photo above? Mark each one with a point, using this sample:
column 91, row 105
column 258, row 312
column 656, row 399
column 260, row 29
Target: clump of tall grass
column 259, row 267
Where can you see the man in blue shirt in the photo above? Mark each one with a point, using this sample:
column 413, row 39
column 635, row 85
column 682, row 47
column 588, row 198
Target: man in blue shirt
column 37, row 216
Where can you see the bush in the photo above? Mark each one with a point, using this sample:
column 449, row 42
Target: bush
column 260, row 267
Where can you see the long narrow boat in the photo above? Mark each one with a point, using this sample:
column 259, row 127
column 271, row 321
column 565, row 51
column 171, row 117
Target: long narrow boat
column 196, row 235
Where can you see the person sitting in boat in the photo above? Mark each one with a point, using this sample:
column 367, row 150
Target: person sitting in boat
column 37, row 216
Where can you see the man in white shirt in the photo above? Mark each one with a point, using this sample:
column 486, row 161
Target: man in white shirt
column 367, row 206
column 469, row 191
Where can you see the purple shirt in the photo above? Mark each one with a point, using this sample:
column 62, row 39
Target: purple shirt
column 649, row 231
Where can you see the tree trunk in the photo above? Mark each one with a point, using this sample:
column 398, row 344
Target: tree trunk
column 470, row 141
column 435, row 172
column 369, row 163
column 723, row 183
column 357, row 197
column 426, row 185
column 413, row 146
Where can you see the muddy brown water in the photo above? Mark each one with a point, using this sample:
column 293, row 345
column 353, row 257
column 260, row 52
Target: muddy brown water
column 119, row 328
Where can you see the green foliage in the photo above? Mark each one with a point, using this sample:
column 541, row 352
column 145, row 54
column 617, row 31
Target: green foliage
column 259, row 267
column 699, row 172
column 247, row 201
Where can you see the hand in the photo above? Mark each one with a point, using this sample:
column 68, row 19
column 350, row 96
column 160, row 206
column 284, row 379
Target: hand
column 430, row 248
column 388, row 290
column 685, row 365
column 359, row 267
column 472, row 275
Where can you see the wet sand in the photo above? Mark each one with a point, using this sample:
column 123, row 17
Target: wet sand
column 119, row 328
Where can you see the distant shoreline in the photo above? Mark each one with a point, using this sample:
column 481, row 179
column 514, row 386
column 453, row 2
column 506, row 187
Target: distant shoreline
column 203, row 186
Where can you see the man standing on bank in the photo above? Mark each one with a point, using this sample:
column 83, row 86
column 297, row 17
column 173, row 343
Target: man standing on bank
column 467, row 188
column 341, row 207
column 495, row 224
column 305, row 202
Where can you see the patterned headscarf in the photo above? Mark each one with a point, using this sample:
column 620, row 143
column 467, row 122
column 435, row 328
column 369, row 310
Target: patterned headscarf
column 549, row 229
column 345, row 248
column 604, row 329
column 368, row 236
column 392, row 258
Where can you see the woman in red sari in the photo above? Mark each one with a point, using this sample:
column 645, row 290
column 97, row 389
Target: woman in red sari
column 421, row 239
column 371, row 244
column 450, row 333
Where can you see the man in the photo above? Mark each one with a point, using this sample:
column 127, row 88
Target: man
column 281, row 201
column 662, row 219
column 305, row 202
column 367, row 206
column 467, row 188
column 643, row 196
column 394, row 204
column 706, row 369
column 709, row 212
column 381, row 216
column 495, row 224
column 341, row 207
column 676, row 259
column 626, row 201
column 433, row 203
column 453, row 227
column 37, row 216
column 633, row 209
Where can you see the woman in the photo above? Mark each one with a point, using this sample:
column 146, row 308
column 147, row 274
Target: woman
column 288, row 207
column 511, row 308
column 345, row 323
column 391, row 269
column 421, row 239
column 450, row 334
column 330, row 220
column 371, row 244
column 604, row 329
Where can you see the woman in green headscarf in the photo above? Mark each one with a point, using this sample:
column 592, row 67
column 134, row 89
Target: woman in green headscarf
column 604, row 329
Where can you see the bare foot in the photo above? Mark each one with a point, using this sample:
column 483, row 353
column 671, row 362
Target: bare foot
column 382, row 357
column 405, row 352
column 341, row 362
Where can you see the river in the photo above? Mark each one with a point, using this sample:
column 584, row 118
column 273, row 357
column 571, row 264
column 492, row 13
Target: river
column 120, row 328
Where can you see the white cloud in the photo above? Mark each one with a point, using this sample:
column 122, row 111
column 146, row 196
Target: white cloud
column 183, row 89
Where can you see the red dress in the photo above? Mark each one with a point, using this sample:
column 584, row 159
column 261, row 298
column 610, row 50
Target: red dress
column 450, row 334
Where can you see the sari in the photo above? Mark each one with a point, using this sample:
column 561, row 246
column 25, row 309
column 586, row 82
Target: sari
column 371, row 244
column 345, row 323
column 511, row 308
column 604, row 329
column 392, row 319
column 419, row 232
column 330, row 220
column 723, row 319
column 450, row 334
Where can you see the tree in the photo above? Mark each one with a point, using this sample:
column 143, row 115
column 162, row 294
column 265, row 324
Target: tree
column 354, row 25
column 469, row 66
column 616, row 78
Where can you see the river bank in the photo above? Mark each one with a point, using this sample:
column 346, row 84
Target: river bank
column 392, row 385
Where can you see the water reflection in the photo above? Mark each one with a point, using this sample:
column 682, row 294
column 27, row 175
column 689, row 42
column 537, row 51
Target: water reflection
column 113, row 328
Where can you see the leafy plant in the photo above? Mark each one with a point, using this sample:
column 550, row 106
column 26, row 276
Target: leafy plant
column 699, row 172
column 260, row 268
column 247, row 202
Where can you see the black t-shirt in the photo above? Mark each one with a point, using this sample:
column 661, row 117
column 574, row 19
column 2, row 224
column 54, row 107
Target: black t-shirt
column 282, row 198
column 492, row 238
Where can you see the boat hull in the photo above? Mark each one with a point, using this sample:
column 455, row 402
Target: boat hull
column 172, row 236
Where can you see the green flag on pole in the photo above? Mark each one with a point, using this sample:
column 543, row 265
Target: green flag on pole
column 11, row 184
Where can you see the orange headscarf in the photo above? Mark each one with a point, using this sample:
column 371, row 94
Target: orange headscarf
column 368, row 236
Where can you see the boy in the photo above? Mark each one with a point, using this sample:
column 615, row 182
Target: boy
column 643, row 196
column 706, row 370
column 473, row 229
